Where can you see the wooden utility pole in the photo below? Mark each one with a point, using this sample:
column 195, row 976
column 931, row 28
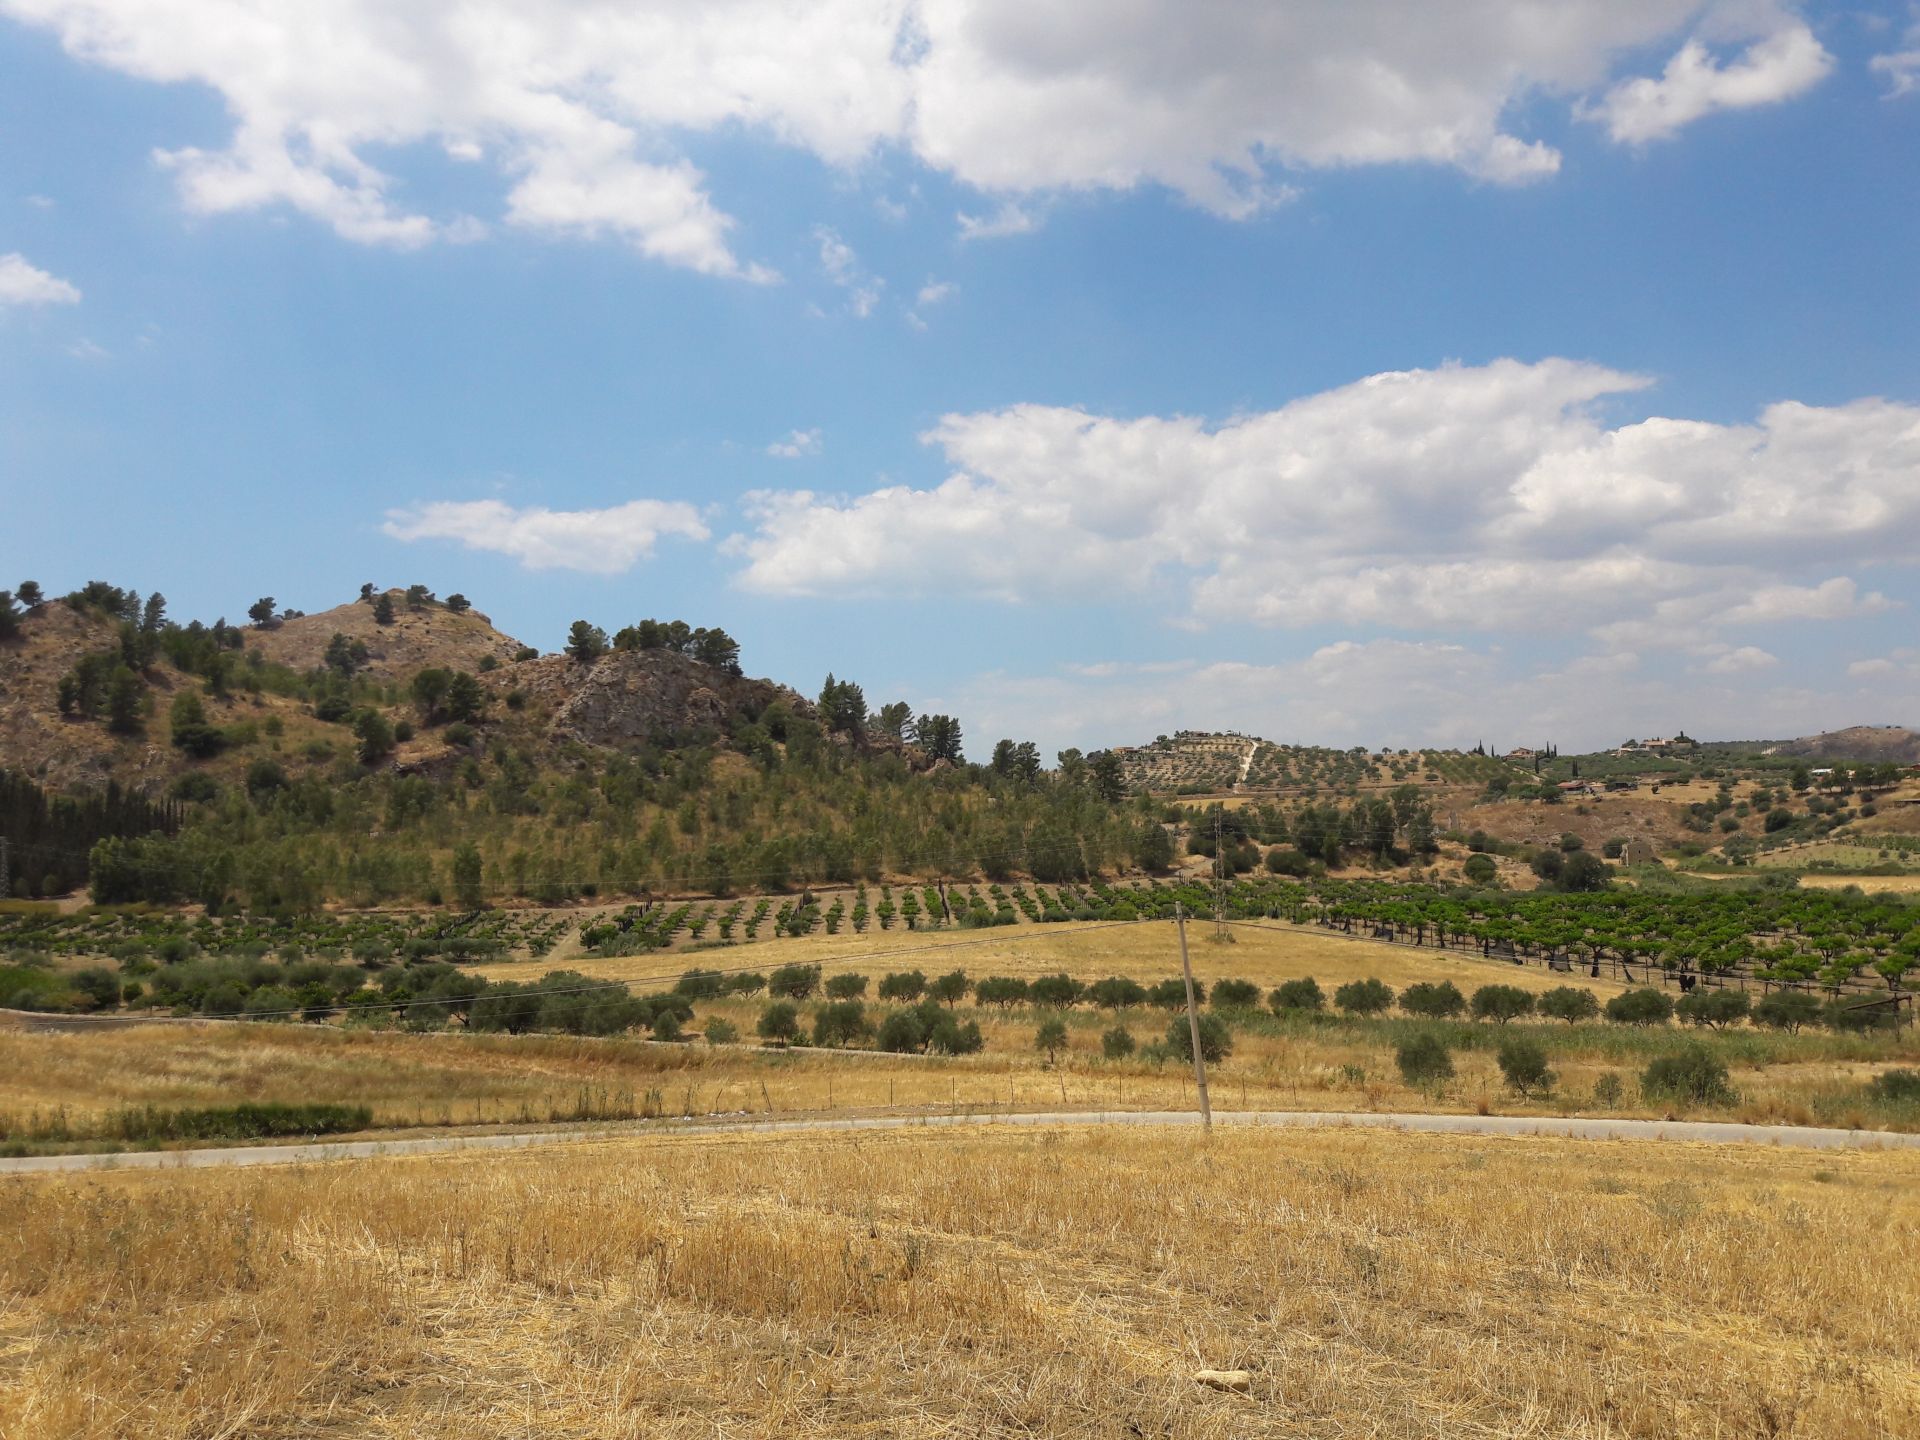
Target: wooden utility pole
column 1193, row 1021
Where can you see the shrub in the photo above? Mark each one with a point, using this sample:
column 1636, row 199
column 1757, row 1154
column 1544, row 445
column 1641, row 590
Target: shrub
column 666, row 1023
column 237, row 1122
column 1216, row 1040
column 1712, row 1007
column 846, row 987
column 950, row 1038
column 720, row 1031
column 1424, row 1060
column 779, row 1023
column 1897, row 1085
column 1692, row 1073
column 1501, row 1003
column 1607, row 1090
column 700, row 984
column 1236, row 995
column 1524, row 1064
column 1854, row 1015
column 1172, row 994
column 1438, row 1002
column 1118, row 1043
column 1480, row 869
column 1364, row 997
column 1569, row 1003
column 1297, row 995
column 1051, row 1037
column 1787, row 1010
column 1640, row 1007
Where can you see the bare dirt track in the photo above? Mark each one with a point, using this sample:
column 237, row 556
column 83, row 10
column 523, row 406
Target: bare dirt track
column 1575, row 1128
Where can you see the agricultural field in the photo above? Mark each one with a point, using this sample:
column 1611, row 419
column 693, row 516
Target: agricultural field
column 459, row 1066
column 968, row 1283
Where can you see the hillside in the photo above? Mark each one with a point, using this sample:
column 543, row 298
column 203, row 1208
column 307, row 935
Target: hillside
column 419, row 637
column 1879, row 744
column 1195, row 762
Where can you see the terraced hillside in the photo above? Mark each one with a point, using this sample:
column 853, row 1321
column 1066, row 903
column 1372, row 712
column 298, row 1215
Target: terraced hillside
column 1207, row 762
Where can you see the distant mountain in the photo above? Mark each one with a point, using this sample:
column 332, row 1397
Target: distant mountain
column 1877, row 743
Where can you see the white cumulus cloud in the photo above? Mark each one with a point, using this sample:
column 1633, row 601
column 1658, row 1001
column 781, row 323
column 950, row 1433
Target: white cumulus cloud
column 1477, row 498
column 25, row 284
column 797, row 445
column 598, row 542
column 583, row 108
column 1775, row 68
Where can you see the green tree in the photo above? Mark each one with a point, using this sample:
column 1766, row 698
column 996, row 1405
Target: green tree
column 383, row 609
column 779, row 1023
column 951, row 988
column 191, row 732
column 1639, row 1007
column 465, row 701
column 1117, row 1043
column 1480, row 869
column 261, row 611
column 1109, row 777
column 1051, row 1037
column 1436, row 1002
column 458, row 603
column 1712, row 1008
column 1152, row 847
column 375, row 736
column 467, row 890
column 123, row 705
column 586, row 642
column 1364, row 997
column 1297, row 997
column 1569, row 1003
column 1501, row 1003
column 429, row 689
column 30, row 595
column 1787, row 1010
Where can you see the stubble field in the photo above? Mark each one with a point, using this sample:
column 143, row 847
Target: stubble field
column 1001, row 1283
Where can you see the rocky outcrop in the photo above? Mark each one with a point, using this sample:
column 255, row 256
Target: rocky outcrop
column 640, row 697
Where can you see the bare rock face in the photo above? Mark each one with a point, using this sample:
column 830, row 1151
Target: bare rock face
column 637, row 697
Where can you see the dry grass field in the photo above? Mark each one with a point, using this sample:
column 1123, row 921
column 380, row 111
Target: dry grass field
column 994, row 1283
column 1145, row 951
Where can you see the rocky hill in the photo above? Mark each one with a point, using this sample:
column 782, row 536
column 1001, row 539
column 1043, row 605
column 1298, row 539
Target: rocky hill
column 418, row 637
column 278, row 676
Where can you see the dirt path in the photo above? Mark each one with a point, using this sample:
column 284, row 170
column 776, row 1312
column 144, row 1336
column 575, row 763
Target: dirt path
column 1707, row 1132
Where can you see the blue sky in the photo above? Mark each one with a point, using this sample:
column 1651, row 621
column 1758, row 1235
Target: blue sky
column 1349, row 374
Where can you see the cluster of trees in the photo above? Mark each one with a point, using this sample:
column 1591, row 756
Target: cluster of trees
column 48, row 836
column 587, row 642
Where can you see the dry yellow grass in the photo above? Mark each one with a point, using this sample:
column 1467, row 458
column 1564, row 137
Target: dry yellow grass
column 921, row 1284
column 461, row 1079
column 1145, row 951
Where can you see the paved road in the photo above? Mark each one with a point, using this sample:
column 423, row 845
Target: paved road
column 1790, row 1136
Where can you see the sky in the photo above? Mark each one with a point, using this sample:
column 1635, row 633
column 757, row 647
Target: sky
column 1348, row 372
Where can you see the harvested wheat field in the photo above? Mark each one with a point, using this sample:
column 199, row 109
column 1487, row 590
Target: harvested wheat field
column 927, row 1284
column 1267, row 953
